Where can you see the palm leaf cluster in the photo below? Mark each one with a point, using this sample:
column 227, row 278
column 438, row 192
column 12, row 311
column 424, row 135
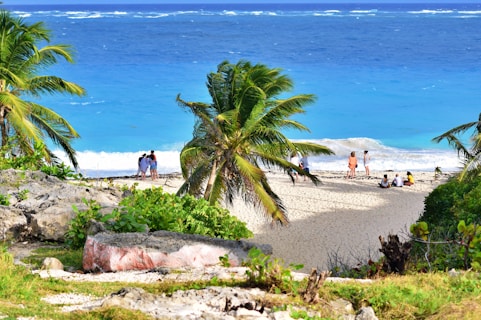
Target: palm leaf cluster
column 26, row 124
column 471, row 154
column 240, row 133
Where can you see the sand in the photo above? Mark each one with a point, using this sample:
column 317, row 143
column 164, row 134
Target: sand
column 336, row 222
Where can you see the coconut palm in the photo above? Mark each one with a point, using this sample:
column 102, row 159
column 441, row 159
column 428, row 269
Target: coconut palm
column 471, row 154
column 27, row 124
column 240, row 131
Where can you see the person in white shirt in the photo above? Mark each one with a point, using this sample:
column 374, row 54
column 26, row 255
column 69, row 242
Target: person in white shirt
column 398, row 181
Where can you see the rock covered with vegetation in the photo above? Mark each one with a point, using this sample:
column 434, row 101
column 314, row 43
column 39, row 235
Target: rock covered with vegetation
column 35, row 205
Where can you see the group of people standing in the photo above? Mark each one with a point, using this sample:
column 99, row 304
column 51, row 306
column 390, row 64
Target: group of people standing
column 397, row 182
column 352, row 164
column 302, row 163
column 145, row 162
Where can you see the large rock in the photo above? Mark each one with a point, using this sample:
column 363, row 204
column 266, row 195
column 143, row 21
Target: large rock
column 13, row 223
column 107, row 252
column 41, row 206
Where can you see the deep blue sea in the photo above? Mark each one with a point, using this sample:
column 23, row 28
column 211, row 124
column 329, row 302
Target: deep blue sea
column 388, row 77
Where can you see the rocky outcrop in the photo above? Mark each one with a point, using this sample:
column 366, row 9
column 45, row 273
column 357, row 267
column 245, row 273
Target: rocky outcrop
column 41, row 206
column 108, row 252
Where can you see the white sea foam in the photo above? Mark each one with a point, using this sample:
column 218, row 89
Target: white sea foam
column 383, row 158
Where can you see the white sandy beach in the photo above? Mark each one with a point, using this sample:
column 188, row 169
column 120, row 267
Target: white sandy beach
column 338, row 219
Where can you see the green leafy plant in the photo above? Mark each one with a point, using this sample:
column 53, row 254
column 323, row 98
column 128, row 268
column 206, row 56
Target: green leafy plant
column 4, row 200
column 419, row 230
column 471, row 238
column 124, row 222
column 153, row 210
column 165, row 211
column 271, row 274
column 76, row 235
column 224, row 261
column 23, row 194
column 61, row 171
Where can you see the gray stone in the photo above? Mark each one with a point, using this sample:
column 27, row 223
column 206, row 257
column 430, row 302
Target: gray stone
column 47, row 208
column 366, row 313
column 13, row 223
column 50, row 263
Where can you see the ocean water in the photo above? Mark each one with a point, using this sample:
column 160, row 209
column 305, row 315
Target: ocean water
column 388, row 77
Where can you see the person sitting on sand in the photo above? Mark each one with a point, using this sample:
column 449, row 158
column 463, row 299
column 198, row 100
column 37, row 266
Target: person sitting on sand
column 410, row 180
column 398, row 181
column 385, row 182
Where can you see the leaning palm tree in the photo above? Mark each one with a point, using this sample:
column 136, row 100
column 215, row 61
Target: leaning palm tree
column 240, row 131
column 471, row 154
column 27, row 124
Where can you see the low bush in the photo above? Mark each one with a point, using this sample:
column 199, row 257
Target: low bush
column 449, row 206
column 157, row 210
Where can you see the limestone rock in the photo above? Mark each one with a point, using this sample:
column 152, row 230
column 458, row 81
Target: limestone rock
column 13, row 223
column 41, row 206
column 107, row 252
column 52, row 264
column 366, row 313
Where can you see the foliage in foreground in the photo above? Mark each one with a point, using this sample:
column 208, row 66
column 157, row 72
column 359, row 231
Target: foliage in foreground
column 449, row 227
column 418, row 296
column 154, row 210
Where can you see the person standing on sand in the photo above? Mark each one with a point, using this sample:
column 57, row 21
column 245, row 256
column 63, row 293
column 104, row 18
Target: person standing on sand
column 144, row 165
column 137, row 176
column 305, row 165
column 352, row 165
column 153, row 167
column 367, row 159
column 292, row 172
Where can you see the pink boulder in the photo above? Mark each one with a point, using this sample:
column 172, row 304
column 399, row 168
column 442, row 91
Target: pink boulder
column 106, row 252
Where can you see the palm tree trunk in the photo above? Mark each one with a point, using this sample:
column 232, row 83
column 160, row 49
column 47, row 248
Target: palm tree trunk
column 3, row 126
column 210, row 183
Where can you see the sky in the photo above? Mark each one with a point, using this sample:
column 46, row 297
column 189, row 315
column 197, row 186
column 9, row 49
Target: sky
column 22, row 2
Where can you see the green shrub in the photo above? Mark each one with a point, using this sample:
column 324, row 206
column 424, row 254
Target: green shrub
column 157, row 210
column 61, row 171
column 438, row 205
column 271, row 274
column 445, row 207
column 165, row 211
column 76, row 235
column 4, row 200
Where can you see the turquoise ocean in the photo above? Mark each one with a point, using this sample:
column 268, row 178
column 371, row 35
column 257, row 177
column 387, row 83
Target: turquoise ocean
column 388, row 77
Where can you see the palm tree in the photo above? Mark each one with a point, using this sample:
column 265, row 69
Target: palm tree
column 25, row 123
column 471, row 155
column 239, row 131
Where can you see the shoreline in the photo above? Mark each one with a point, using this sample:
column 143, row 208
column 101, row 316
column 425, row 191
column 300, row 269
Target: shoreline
column 336, row 222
